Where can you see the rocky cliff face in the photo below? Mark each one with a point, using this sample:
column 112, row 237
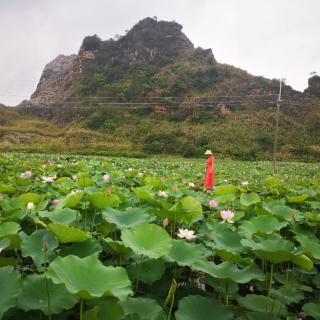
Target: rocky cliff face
column 56, row 82
column 314, row 86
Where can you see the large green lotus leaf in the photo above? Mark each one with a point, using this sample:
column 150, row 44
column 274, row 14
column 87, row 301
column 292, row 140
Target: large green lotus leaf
column 145, row 308
column 279, row 210
column 90, row 247
column 32, row 246
column 248, row 199
column 11, row 287
column 129, row 218
column 314, row 204
column 9, row 228
column 273, row 181
column 260, row 315
column 228, row 240
column 4, row 243
column 312, row 216
column 185, row 253
column 151, row 270
column 109, row 309
column 30, row 197
column 202, row 308
column 34, row 295
column 88, row 278
column 23, row 182
column 228, row 188
column 84, row 182
column 298, row 199
column 228, row 271
column 71, row 200
column 275, row 251
column 102, row 200
column 264, row 224
column 63, row 216
column 310, row 245
column 66, row 234
column 147, row 239
column 117, row 246
column 302, row 261
column 188, row 210
column 287, row 295
column 220, row 285
column 144, row 193
column 259, row 303
column 312, row 309
column 225, row 198
column 7, row 189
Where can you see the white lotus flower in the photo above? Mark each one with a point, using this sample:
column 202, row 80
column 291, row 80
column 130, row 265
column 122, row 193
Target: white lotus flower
column 30, row 205
column 162, row 194
column 26, row 174
column 187, row 234
column 191, row 184
column 49, row 179
column 244, row 183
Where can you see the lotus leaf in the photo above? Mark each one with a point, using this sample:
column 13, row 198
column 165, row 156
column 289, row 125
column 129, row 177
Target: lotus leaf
column 66, row 234
column 34, row 295
column 202, row 308
column 145, row 308
column 88, row 278
column 33, row 246
column 147, row 239
column 129, row 218
column 11, row 287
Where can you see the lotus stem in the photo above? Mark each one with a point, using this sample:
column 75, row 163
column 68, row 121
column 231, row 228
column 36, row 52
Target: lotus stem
column 138, row 267
column 270, row 285
column 81, row 309
column 227, row 295
column 45, row 252
column 94, row 219
column 171, row 308
column 49, row 300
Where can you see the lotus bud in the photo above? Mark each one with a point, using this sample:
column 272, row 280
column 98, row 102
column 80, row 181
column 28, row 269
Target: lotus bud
column 55, row 202
column 165, row 222
column 30, row 205
column 45, row 244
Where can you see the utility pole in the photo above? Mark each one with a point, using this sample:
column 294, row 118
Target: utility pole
column 275, row 145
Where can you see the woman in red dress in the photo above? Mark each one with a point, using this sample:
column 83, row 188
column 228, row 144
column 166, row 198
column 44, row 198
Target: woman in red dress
column 209, row 177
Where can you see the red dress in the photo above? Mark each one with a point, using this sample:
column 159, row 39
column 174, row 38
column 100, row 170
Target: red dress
column 209, row 177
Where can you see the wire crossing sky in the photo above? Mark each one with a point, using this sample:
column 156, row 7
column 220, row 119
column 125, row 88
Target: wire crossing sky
column 274, row 38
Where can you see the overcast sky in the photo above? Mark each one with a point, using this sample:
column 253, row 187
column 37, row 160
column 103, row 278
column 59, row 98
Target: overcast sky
column 272, row 38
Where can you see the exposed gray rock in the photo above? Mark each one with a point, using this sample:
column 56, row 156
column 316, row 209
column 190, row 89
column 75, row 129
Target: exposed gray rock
column 56, row 82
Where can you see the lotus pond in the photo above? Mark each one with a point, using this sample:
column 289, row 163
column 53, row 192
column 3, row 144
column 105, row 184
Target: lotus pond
column 108, row 238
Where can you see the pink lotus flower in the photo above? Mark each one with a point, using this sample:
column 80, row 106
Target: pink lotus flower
column 74, row 177
column 213, row 203
column 55, row 202
column 227, row 215
column 106, row 177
